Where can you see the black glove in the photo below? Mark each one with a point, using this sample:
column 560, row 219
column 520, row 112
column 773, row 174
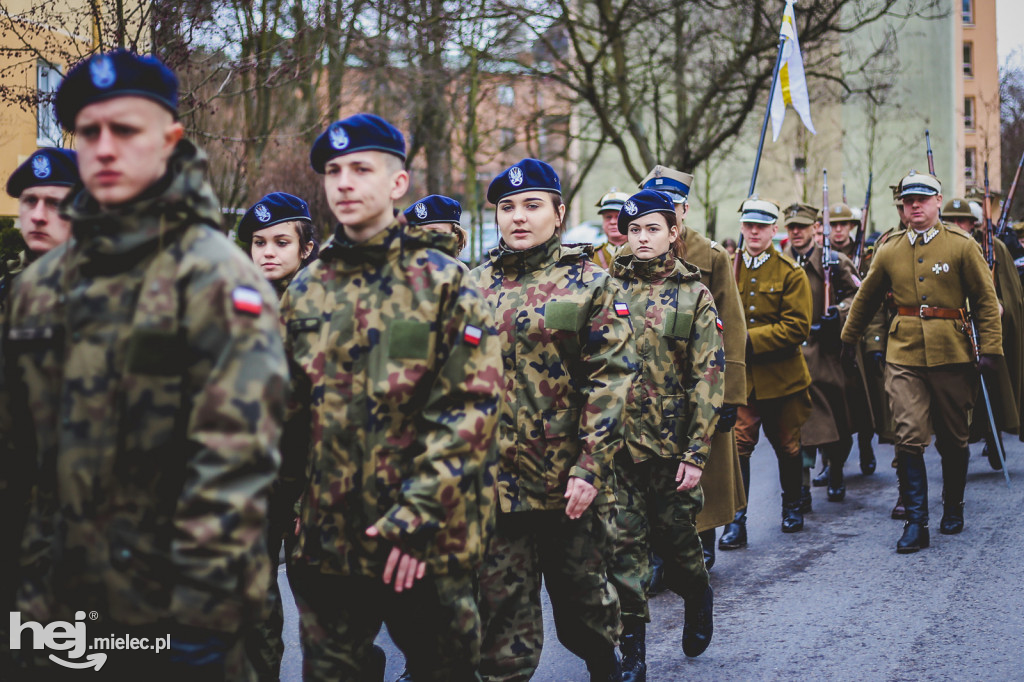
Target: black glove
column 726, row 418
column 878, row 360
column 831, row 315
column 199, row 649
column 848, row 355
column 988, row 364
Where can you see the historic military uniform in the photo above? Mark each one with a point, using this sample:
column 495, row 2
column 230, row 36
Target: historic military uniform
column 611, row 202
column 565, row 348
column 930, row 379
column 776, row 300
column 395, row 387
column 670, row 416
column 725, row 498
column 829, row 427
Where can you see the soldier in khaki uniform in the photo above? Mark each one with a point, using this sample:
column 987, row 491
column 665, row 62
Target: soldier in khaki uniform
column 934, row 272
column 829, row 427
column 776, row 298
column 149, row 394
column 608, row 208
column 725, row 498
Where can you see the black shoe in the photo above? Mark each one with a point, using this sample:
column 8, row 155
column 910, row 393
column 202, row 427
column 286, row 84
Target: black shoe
column 952, row 519
column 867, row 457
column 836, row 494
column 836, row 483
column 707, row 541
column 735, row 535
column 634, row 650
column 899, row 512
column 792, row 518
column 377, row 665
column 605, row 668
column 915, row 537
column 698, row 623
column 805, row 500
column 993, row 457
column 821, row 479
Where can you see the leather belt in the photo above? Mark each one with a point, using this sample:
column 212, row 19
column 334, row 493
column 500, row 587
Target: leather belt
column 926, row 311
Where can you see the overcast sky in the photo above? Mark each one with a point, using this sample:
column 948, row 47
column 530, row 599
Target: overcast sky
column 1010, row 29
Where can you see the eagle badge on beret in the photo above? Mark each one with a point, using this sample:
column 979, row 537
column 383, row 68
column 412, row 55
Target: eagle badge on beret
column 339, row 138
column 41, row 167
column 630, row 207
column 515, row 176
column 421, row 210
column 101, row 70
column 262, row 213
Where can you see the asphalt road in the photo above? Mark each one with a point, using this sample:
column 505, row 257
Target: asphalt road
column 835, row 602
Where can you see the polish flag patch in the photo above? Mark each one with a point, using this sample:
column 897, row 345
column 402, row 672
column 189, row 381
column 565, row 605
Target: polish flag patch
column 718, row 323
column 247, row 300
column 621, row 309
column 472, row 335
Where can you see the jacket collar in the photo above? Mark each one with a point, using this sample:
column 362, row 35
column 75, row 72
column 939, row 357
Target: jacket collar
column 754, row 262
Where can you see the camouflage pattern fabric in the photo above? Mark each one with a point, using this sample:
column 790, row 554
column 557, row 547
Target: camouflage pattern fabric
column 564, row 368
column 653, row 515
column 147, row 369
column 449, row 244
column 395, row 372
column 436, row 625
column 572, row 555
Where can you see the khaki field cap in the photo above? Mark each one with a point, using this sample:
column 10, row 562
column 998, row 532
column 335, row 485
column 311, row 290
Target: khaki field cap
column 612, row 201
column 920, row 184
column 957, row 208
column 841, row 213
column 896, row 194
column 757, row 210
column 674, row 183
column 801, row 214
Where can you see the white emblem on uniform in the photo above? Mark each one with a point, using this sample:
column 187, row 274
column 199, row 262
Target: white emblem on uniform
column 945, row 267
column 262, row 213
column 515, row 176
column 956, row 203
column 339, row 138
column 936, row 268
column 101, row 69
column 630, row 207
column 41, row 166
column 421, row 211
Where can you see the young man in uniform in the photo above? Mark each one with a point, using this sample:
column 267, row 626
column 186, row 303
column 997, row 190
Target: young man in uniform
column 148, row 381
column 608, row 208
column 777, row 303
column 934, row 273
column 395, row 384
column 724, row 496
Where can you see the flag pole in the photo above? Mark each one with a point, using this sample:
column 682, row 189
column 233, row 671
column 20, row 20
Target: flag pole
column 760, row 143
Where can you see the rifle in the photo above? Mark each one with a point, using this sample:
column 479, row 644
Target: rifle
column 986, row 243
column 826, row 245
column 844, row 194
column 931, row 158
column 1004, row 215
column 859, row 254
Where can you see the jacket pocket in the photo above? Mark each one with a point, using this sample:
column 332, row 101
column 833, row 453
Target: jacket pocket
column 563, row 316
column 561, row 430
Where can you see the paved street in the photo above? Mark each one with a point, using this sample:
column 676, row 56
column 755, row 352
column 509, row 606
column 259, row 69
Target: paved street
column 836, row 602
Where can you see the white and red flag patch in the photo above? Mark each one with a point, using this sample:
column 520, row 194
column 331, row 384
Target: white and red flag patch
column 472, row 335
column 621, row 309
column 247, row 300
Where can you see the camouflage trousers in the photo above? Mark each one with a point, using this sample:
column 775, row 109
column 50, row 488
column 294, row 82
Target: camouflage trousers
column 436, row 625
column 653, row 515
column 572, row 558
column 264, row 644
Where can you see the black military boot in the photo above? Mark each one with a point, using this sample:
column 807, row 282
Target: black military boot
column 915, row 497
column 707, row 542
column 735, row 534
column 837, row 454
column 698, row 623
column 805, row 499
column 605, row 667
column 867, row 453
column 899, row 511
column 634, row 649
column 822, row 478
column 954, row 480
column 790, row 471
column 657, row 584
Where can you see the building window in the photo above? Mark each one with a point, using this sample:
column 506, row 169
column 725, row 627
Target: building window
column 969, row 113
column 48, row 133
column 967, row 12
column 508, row 138
column 506, row 95
column 968, row 59
column 970, row 165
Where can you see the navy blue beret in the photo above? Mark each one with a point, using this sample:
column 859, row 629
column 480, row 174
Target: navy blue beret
column 359, row 133
column 46, row 166
column 528, row 174
column 115, row 74
column 434, row 209
column 643, row 202
column 276, row 207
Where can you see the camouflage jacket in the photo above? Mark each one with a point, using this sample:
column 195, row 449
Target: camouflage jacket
column 565, row 370
column 147, row 369
column 679, row 353
column 444, row 242
column 395, row 374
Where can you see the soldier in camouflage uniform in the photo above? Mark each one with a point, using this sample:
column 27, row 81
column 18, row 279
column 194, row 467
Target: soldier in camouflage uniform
column 671, row 411
column 148, row 377
column 566, row 374
column 436, row 219
column 396, row 379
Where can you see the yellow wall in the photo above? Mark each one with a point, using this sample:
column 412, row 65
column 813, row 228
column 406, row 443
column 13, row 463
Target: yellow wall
column 984, row 88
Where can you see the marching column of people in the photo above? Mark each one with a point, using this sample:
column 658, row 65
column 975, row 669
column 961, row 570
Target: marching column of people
column 432, row 444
